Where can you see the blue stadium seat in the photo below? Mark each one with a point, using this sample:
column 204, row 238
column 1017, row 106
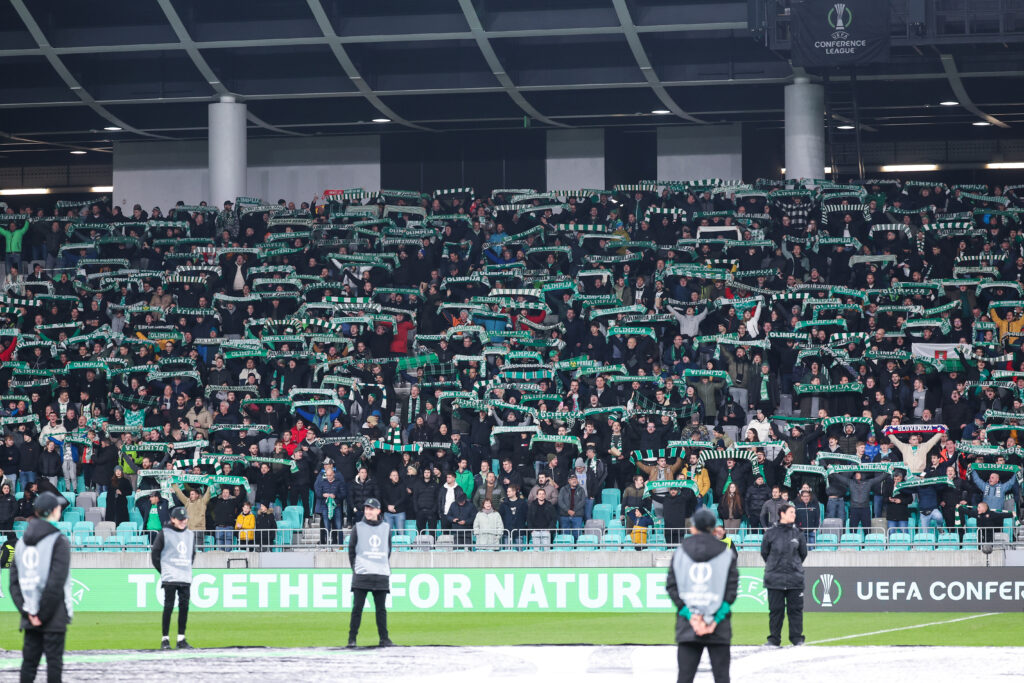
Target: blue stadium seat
column 587, row 542
column 126, row 530
column 563, row 542
column 70, row 495
column 82, row 529
column 924, row 540
column 604, row 512
column 948, row 541
column 138, row 544
column 611, row 497
column 101, row 500
column 850, row 541
column 899, row 541
column 826, row 542
column 72, row 515
column 93, row 543
column 65, row 528
column 400, row 542
column 613, row 540
column 874, row 542
column 113, row 544
column 20, row 526
column 970, row 541
column 751, row 542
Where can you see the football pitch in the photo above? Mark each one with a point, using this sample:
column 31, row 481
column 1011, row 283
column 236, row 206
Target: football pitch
column 139, row 631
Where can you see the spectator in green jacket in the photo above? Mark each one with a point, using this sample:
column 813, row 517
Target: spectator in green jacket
column 13, row 238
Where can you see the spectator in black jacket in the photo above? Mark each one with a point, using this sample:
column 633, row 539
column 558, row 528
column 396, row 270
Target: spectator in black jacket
column 897, row 505
column 266, row 527
column 225, row 511
column 757, row 495
column 461, row 515
column 678, row 507
column 423, row 503
column 808, row 515
column 301, row 481
column 514, row 513
column 542, row 513
column 359, row 490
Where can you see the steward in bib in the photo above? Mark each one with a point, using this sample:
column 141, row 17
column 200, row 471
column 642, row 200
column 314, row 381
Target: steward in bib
column 6, row 556
column 703, row 582
column 41, row 589
column 174, row 551
column 369, row 553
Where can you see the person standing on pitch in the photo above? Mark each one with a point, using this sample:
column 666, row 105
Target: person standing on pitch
column 41, row 589
column 703, row 582
column 369, row 553
column 784, row 549
column 174, row 551
column 6, row 556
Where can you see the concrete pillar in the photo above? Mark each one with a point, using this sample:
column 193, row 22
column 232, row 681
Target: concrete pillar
column 227, row 146
column 805, row 129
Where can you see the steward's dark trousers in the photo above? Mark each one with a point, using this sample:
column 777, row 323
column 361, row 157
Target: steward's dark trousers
column 790, row 601
column 182, row 591
column 36, row 644
column 358, row 601
column 689, row 658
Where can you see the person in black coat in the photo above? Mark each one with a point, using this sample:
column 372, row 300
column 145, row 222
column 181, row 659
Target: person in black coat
column 266, row 527
column 301, row 482
column 514, row 512
column 45, row 627
column 8, row 507
column 678, row 506
column 104, row 460
column 118, row 494
column 784, row 549
column 703, row 620
column 425, row 492
column 266, row 482
column 360, row 489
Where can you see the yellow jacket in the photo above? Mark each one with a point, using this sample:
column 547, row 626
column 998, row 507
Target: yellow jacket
column 1006, row 326
column 245, row 525
column 702, row 480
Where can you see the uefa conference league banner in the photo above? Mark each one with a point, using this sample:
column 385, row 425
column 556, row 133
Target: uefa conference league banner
column 609, row 590
column 914, row 589
column 829, row 33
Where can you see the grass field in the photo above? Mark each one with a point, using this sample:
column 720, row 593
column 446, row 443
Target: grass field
column 111, row 630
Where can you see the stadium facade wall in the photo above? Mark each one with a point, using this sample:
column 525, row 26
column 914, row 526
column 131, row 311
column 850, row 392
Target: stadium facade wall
column 700, row 152
column 575, row 158
column 156, row 173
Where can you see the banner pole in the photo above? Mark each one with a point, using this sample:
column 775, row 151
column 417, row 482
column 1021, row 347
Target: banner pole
column 856, row 121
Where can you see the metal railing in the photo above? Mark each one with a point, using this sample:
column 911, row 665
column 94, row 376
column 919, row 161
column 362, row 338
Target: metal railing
column 129, row 538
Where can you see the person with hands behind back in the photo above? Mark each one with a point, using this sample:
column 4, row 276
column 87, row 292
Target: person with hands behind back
column 41, row 589
column 703, row 582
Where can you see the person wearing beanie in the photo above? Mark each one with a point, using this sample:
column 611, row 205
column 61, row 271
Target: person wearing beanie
column 703, row 582
column 173, row 552
column 784, row 549
column 41, row 588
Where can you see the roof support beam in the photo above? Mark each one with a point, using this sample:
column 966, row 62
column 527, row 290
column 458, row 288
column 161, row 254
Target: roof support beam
column 491, row 57
column 350, row 68
column 953, row 76
column 640, row 55
column 204, row 68
column 47, row 51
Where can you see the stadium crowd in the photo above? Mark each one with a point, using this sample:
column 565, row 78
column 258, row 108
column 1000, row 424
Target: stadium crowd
column 494, row 363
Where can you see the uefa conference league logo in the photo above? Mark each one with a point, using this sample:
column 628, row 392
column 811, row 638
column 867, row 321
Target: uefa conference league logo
column 824, row 588
column 839, row 18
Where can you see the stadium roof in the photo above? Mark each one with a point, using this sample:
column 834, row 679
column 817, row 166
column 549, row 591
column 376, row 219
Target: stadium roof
column 313, row 67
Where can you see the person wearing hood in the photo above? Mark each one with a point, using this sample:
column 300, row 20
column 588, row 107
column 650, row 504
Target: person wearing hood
column 8, row 506
column 41, row 589
column 369, row 555
column 703, row 583
column 488, row 527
